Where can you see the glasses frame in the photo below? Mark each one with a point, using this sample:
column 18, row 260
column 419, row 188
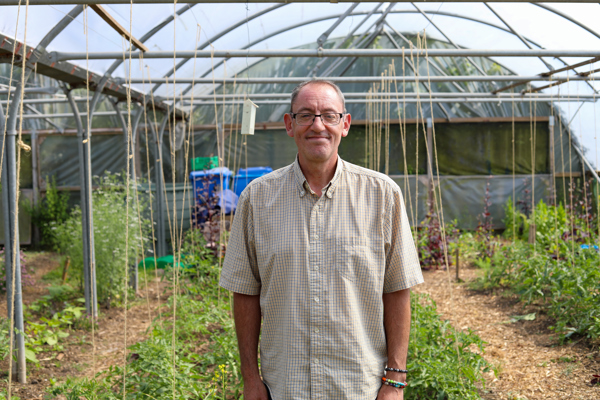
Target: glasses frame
column 341, row 115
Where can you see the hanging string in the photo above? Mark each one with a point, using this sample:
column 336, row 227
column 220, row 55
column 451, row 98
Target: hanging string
column 514, row 194
column 10, row 81
column 418, row 106
column 438, row 199
column 128, row 155
column 562, row 158
column 571, row 187
column 176, row 243
column 584, row 180
column 402, row 125
column 387, row 125
column 596, row 145
column 87, row 143
column 192, row 136
column 553, row 170
column 532, row 139
column 156, row 277
column 368, row 128
column 219, row 154
column 137, row 198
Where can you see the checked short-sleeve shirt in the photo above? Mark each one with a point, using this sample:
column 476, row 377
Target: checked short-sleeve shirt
column 321, row 266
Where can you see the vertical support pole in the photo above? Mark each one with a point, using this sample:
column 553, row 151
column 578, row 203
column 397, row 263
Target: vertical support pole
column 89, row 275
column 552, row 165
column 34, row 172
column 11, row 231
column 430, row 182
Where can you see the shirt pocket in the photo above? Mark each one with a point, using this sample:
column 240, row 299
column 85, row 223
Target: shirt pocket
column 359, row 258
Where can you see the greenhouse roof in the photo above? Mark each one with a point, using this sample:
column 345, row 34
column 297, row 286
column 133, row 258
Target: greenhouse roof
column 201, row 46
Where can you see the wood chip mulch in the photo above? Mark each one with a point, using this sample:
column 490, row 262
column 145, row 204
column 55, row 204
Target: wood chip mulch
column 530, row 361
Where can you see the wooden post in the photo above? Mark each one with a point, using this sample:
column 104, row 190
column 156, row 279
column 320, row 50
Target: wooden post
column 457, row 263
column 65, row 270
column 532, row 232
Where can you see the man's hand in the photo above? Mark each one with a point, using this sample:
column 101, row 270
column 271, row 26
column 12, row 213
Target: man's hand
column 246, row 312
column 390, row 393
column 255, row 390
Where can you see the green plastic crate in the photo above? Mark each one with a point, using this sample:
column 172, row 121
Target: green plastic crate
column 204, row 163
column 161, row 263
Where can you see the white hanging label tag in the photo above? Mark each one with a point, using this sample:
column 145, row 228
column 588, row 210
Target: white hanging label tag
column 248, row 117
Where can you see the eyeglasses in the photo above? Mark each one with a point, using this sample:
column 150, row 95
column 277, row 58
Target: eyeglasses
column 306, row 119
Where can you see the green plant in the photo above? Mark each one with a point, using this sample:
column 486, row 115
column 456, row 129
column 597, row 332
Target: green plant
column 111, row 236
column 440, row 358
column 49, row 213
column 26, row 278
column 203, row 361
column 567, row 286
column 4, row 338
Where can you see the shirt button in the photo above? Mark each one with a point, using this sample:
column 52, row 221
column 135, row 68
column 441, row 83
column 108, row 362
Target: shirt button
column 316, row 267
column 316, row 330
column 316, row 299
column 316, row 360
column 316, row 237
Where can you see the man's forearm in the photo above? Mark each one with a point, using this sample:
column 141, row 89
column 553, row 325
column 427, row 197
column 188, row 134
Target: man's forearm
column 246, row 312
column 396, row 320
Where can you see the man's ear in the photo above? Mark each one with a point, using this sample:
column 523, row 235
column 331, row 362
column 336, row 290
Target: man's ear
column 287, row 119
column 347, row 120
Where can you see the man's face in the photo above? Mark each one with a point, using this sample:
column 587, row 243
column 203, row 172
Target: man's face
column 317, row 143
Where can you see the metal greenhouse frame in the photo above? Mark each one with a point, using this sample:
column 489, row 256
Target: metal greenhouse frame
column 62, row 67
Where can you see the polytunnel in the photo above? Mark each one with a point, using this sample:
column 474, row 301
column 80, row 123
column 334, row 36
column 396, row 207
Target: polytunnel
column 446, row 98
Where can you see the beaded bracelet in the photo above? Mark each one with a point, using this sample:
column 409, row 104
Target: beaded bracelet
column 405, row 371
column 389, row 382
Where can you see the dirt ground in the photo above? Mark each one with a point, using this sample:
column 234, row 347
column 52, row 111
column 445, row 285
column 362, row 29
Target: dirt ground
column 530, row 362
column 85, row 352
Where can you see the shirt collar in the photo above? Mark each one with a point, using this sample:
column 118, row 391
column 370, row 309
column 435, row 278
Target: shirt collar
column 304, row 187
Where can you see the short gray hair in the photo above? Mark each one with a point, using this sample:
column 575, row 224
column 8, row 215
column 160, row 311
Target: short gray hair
column 298, row 88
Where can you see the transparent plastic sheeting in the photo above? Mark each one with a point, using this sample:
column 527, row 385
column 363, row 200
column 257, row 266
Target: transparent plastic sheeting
column 25, row 199
column 368, row 66
column 59, row 157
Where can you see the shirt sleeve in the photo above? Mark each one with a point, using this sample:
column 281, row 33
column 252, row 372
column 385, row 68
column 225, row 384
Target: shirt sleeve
column 402, row 269
column 240, row 268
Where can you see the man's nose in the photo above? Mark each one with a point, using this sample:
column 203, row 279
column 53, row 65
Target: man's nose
column 318, row 123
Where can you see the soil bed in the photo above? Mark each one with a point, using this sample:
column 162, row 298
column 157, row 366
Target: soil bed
column 84, row 354
column 530, row 362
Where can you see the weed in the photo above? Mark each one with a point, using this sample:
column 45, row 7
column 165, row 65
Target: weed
column 430, row 240
column 110, row 237
column 485, row 225
column 49, row 213
column 26, row 278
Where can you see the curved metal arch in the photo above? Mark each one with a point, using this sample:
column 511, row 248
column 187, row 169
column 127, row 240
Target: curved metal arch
column 118, row 62
column 268, row 36
column 567, row 17
column 218, row 36
column 358, row 13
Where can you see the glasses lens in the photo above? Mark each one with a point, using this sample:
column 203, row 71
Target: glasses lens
column 305, row 119
column 308, row 119
column 330, row 119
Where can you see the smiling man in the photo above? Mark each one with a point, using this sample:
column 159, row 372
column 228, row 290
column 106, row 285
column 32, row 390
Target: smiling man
column 323, row 252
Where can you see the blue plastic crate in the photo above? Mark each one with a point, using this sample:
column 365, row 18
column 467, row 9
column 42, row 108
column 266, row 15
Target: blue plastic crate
column 247, row 175
column 214, row 182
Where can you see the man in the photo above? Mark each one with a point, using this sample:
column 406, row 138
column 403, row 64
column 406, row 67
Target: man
column 322, row 249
